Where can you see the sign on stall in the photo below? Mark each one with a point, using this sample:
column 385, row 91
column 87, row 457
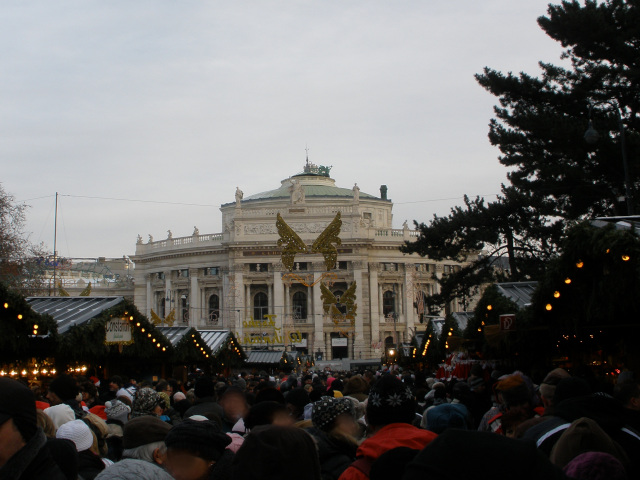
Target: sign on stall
column 118, row 332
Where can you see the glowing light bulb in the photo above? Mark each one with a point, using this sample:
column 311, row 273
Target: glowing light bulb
column 556, row 294
column 579, row 264
column 625, row 258
column 567, row 280
column 549, row 307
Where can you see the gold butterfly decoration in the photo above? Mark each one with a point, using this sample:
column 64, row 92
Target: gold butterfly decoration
column 331, row 304
column 293, row 244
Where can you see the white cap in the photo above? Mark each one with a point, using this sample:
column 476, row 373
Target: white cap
column 60, row 414
column 78, row 432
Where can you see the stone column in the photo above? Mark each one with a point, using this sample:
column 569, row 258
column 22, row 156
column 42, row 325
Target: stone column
column 318, row 314
column 358, row 339
column 374, row 309
column 240, row 298
column 408, row 299
column 169, row 294
column 278, row 303
column 149, row 295
column 194, row 293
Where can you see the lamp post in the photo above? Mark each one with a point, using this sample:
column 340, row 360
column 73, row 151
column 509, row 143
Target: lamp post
column 591, row 136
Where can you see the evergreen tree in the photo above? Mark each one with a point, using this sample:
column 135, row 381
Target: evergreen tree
column 555, row 176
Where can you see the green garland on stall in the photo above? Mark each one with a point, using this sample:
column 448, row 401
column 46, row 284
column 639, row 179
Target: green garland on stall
column 17, row 322
column 87, row 341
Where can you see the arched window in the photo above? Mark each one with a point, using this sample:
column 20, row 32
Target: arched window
column 388, row 303
column 299, row 305
column 260, row 306
column 214, row 308
column 388, row 341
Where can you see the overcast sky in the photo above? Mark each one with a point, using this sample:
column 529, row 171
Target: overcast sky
column 180, row 101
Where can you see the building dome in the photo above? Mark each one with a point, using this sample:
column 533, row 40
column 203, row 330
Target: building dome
column 315, row 182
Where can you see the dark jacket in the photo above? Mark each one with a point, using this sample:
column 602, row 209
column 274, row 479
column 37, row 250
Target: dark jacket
column 601, row 408
column 335, row 453
column 89, row 465
column 203, row 406
column 32, row 462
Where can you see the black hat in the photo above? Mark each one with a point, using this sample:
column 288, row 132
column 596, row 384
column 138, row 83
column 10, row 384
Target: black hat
column 327, row 409
column 143, row 431
column 204, row 388
column 65, row 387
column 17, row 402
column 201, row 438
column 390, row 401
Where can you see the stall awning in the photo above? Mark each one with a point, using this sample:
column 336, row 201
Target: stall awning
column 71, row 311
column 174, row 334
column 267, row 357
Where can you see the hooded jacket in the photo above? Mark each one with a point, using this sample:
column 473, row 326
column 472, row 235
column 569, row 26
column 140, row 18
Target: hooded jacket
column 32, row 462
column 132, row 469
column 388, row 437
column 335, row 454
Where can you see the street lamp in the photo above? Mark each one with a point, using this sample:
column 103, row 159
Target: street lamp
column 591, row 136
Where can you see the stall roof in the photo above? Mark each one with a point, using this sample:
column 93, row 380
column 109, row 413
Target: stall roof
column 518, row 292
column 174, row 334
column 214, row 338
column 71, row 311
column 265, row 356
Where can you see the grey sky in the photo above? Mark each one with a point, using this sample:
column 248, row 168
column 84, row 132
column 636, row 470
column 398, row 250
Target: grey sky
column 180, row 101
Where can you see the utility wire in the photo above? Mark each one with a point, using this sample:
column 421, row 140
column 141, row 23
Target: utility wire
column 140, row 201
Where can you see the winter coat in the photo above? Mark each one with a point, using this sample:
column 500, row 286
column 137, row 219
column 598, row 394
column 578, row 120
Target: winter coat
column 89, row 465
column 203, row 406
column 32, row 462
column 131, row 469
column 388, row 437
column 601, row 408
column 335, row 453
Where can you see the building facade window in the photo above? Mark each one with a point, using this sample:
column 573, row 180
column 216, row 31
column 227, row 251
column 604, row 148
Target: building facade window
column 184, row 304
column 299, row 304
column 214, row 308
column 388, row 303
column 260, row 306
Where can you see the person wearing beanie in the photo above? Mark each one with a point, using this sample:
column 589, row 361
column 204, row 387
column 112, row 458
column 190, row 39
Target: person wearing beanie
column 24, row 454
column 549, row 384
column 147, row 402
column 205, row 402
column 89, row 464
column 197, row 450
column 445, row 416
column 390, row 413
column 143, row 439
column 116, row 410
column 60, row 414
column 272, row 452
column 595, row 466
column 335, row 430
column 64, row 389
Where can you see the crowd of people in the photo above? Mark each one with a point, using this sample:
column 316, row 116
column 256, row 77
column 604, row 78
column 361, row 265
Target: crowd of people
column 324, row 425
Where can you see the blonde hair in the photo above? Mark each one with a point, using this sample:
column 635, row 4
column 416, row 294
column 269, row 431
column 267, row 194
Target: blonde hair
column 43, row 421
column 98, row 447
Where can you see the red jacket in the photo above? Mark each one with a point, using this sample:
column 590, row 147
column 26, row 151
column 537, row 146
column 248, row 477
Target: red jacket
column 387, row 438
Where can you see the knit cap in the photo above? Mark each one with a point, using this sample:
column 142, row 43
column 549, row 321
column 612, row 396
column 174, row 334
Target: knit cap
column 596, row 466
column 126, row 392
column 203, row 439
column 179, row 396
column 78, row 432
column 327, row 409
column 514, row 390
column 18, row 403
column 165, row 398
column 145, row 401
column 548, row 385
column 60, row 414
column 390, row 401
column 117, row 410
column 447, row 415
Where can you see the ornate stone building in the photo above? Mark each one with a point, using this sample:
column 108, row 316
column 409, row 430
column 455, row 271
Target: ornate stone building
column 239, row 280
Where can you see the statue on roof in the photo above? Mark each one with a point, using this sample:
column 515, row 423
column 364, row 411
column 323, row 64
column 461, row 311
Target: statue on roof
column 196, row 232
column 239, row 196
column 356, row 192
column 297, row 192
column 169, row 235
column 139, row 240
column 150, row 239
